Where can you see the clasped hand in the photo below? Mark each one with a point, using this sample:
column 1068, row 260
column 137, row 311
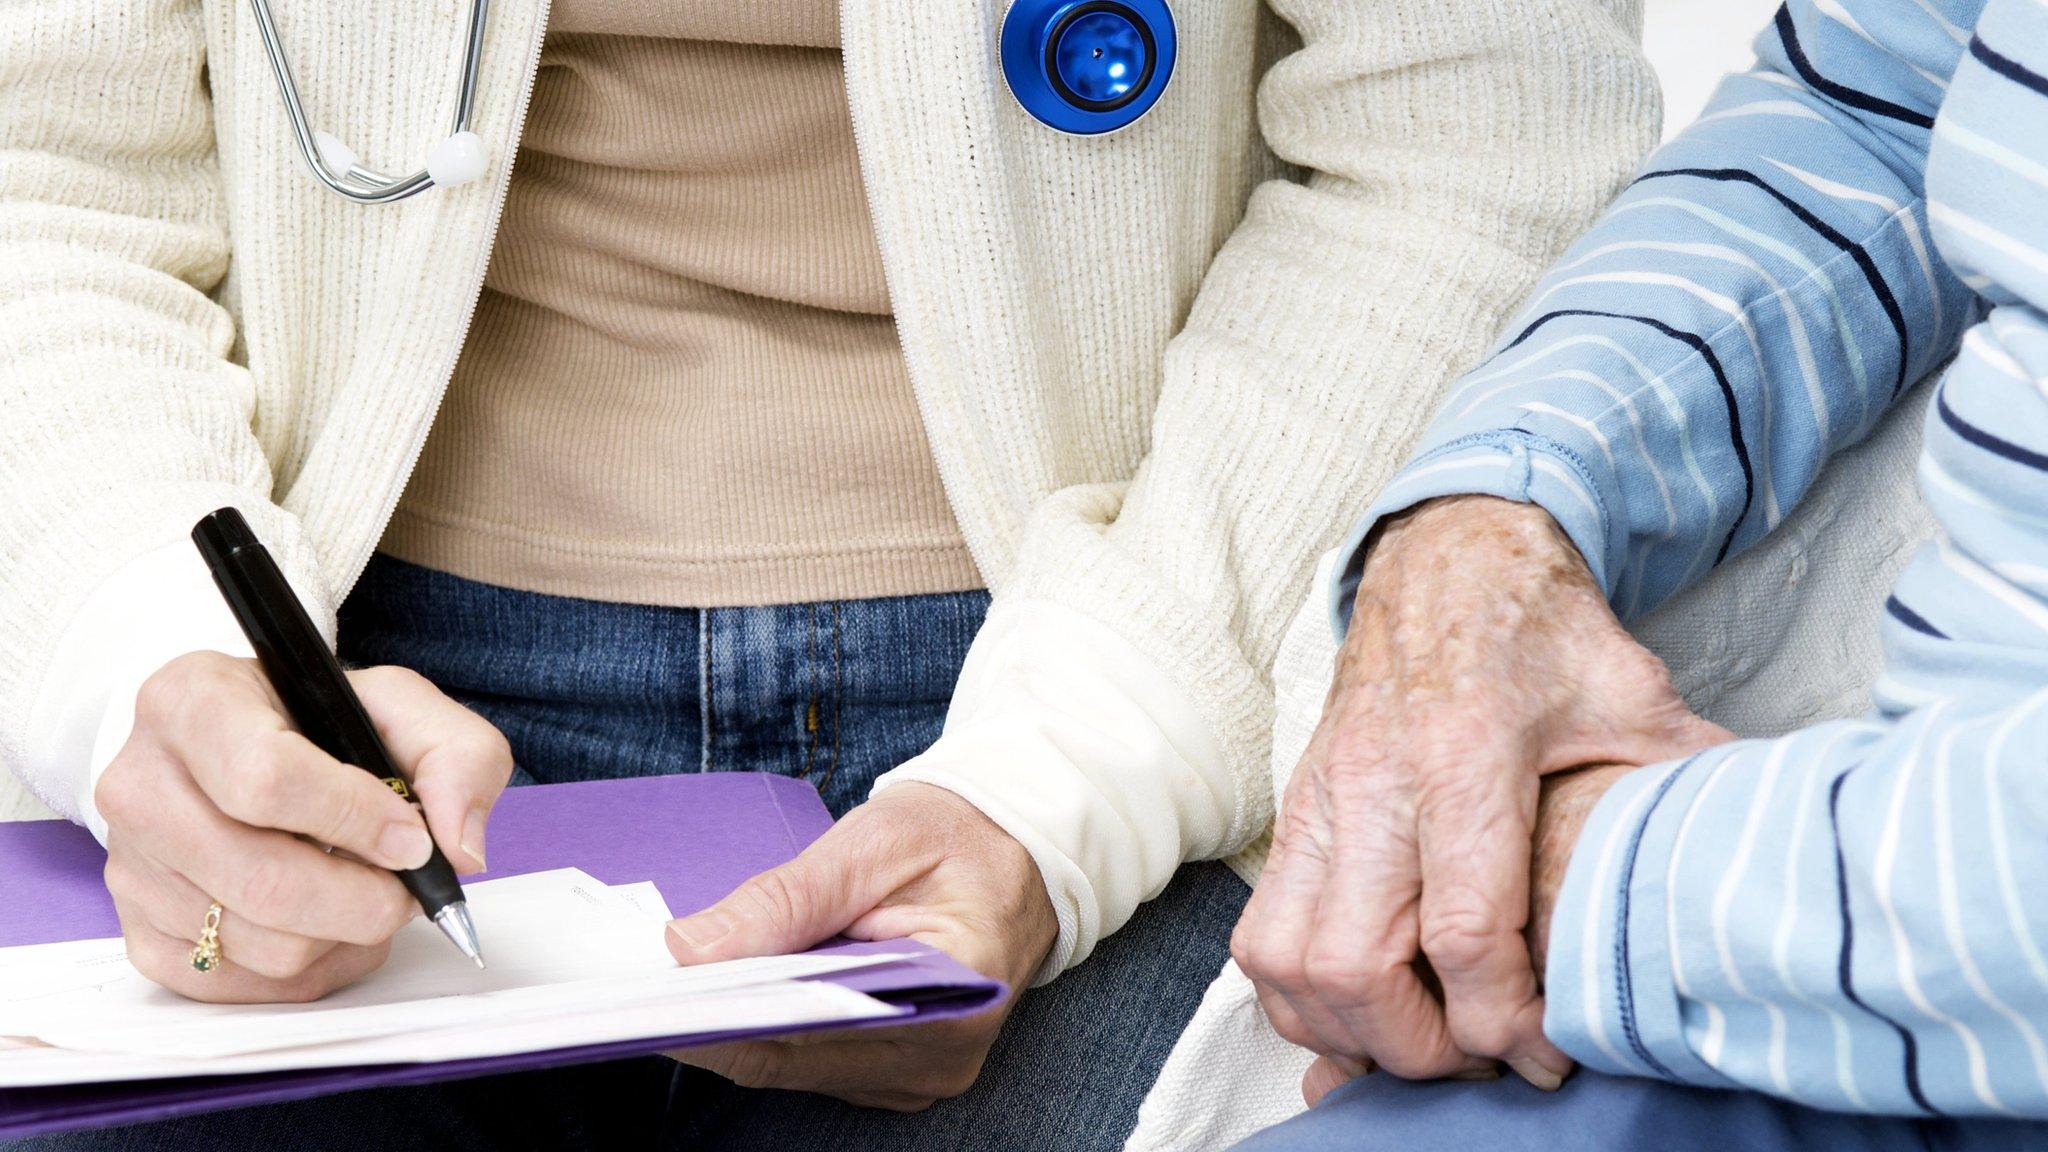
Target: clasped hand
column 1390, row 927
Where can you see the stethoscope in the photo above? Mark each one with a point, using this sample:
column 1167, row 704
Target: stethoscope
column 1082, row 67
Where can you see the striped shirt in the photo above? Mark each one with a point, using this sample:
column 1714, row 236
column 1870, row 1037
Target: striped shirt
column 1855, row 915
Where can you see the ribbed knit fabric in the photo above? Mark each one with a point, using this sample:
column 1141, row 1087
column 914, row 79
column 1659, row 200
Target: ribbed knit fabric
column 1158, row 370
column 683, row 384
column 1329, row 320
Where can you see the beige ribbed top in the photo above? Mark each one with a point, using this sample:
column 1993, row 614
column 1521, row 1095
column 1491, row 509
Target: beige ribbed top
column 683, row 383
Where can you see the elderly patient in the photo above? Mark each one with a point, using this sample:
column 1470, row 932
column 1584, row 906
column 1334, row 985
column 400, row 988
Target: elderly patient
column 1848, row 924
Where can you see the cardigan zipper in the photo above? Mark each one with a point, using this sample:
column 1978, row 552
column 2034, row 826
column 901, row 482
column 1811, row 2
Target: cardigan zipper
column 476, row 288
column 912, row 370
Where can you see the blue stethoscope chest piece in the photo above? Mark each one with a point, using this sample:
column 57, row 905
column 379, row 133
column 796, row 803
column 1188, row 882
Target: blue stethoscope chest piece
column 1087, row 66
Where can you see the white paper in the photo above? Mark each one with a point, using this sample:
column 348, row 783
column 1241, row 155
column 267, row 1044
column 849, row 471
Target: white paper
column 787, row 1004
column 572, row 961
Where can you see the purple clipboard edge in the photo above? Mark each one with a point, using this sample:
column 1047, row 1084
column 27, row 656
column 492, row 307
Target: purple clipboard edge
column 701, row 835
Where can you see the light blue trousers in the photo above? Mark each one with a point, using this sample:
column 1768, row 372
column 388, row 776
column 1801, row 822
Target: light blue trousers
column 1598, row 1113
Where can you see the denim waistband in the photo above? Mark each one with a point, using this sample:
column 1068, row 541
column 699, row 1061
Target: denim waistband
column 835, row 692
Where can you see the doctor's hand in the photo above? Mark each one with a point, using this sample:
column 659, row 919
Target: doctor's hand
column 914, row 861
column 1388, row 927
column 216, row 798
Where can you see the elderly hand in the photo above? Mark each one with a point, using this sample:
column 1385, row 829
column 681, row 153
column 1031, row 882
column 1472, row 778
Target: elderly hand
column 1568, row 799
column 914, row 861
column 1388, row 927
column 215, row 798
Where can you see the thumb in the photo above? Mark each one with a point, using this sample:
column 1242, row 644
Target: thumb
column 1328, row 1074
column 783, row 910
column 1630, row 712
column 1655, row 739
column 1691, row 733
column 1672, row 732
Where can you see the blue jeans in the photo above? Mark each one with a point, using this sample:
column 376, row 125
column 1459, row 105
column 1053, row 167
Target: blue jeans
column 1379, row 1113
column 834, row 693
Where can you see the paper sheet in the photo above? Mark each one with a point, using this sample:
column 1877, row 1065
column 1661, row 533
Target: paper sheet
column 572, row 961
column 787, row 1004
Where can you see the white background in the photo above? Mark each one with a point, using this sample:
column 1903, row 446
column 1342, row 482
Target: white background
column 1694, row 43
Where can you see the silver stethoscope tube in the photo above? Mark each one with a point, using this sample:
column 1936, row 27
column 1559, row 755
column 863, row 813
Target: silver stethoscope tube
column 353, row 180
column 1085, row 67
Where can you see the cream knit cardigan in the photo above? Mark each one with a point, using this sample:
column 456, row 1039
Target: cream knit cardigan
column 1160, row 371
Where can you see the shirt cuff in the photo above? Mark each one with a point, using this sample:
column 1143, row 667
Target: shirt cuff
column 153, row 609
column 1613, row 1001
column 1072, row 741
column 1511, row 464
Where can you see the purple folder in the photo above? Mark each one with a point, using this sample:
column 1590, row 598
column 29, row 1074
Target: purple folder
column 697, row 837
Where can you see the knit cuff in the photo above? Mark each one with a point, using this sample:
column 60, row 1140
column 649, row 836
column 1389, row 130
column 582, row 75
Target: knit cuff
column 157, row 607
column 1089, row 755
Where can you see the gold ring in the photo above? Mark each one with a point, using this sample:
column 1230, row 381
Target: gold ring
column 206, row 954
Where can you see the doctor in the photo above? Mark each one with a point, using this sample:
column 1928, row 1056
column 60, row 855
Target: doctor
column 692, row 440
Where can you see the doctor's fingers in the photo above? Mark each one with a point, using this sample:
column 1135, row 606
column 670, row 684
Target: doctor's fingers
column 272, row 878
column 214, row 718
column 458, row 762
column 166, row 959
column 171, row 904
column 1475, row 837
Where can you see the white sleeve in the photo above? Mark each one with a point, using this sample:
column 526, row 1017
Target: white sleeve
column 1441, row 155
column 1066, row 736
column 152, row 610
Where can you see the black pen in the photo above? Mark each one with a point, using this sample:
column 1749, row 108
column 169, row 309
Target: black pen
column 309, row 680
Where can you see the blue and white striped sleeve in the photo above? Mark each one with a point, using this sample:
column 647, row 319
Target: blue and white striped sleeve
column 1852, row 916
column 1836, row 917
column 1752, row 303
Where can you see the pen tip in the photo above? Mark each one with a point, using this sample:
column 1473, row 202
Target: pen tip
column 456, row 925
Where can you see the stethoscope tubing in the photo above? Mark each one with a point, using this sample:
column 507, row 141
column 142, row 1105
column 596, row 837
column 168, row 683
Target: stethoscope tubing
column 1029, row 28
column 359, row 183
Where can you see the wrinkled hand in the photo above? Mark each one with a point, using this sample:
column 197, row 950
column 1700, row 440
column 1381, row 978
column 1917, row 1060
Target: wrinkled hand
column 216, row 798
column 1567, row 800
column 1388, row 927
column 914, row 861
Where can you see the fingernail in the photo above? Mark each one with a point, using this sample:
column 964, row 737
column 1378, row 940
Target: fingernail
column 1477, row 1074
column 703, row 930
column 473, row 836
column 1532, row 1070
column 405, row 844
